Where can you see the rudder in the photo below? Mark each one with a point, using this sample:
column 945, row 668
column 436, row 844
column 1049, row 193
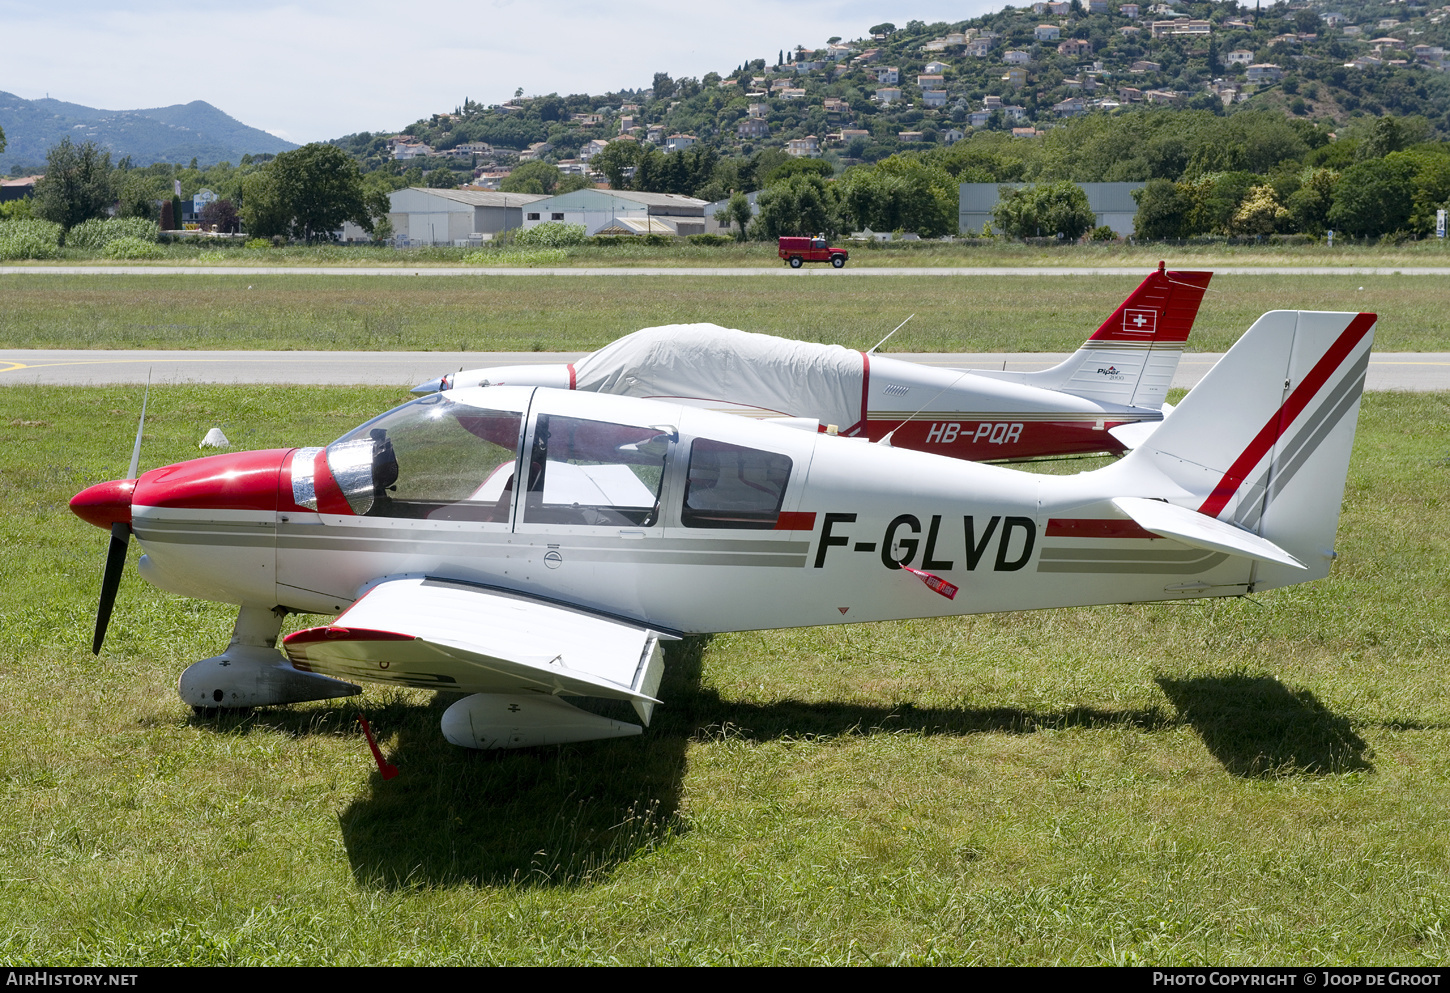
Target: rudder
column 1132, row 357
column 1263, row 442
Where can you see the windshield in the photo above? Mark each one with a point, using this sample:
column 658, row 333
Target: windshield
column 432, row 458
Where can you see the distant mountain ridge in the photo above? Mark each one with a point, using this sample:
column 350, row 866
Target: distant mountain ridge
column 177, row 133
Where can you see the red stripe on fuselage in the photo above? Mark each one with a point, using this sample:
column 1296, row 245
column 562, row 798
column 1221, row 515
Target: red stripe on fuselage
column 860, row 426
column 1285, row 416
column 571, row 376
column 796, row 520
column 956, row 436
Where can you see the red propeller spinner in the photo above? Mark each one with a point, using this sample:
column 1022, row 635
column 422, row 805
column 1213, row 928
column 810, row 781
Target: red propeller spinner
column 105, row 503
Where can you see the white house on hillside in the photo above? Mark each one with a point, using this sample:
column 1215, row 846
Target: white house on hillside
column 808, row 147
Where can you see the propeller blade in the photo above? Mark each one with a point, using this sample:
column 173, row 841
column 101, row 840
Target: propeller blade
column 136, row 449
column 120, row 540
column 111, row 581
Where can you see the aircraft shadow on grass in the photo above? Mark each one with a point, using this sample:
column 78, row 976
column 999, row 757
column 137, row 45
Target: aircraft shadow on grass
column 566, row 816
column 570, row 815
column 1257, row 727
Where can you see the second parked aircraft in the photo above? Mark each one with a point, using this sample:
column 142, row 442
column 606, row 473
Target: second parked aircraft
column 1107, row 397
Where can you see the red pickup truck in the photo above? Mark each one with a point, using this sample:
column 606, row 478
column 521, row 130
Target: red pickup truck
column 797, row 251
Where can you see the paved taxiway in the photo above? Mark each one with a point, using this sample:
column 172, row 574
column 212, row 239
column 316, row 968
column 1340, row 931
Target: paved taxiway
column 1416, row 371
column 849, row 272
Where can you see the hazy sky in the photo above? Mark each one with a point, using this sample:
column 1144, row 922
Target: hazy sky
column 317, row 69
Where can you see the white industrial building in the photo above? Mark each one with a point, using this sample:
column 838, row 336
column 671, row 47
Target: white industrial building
column 598, row 209
column 423, row 216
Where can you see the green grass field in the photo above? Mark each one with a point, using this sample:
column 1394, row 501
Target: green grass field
column 575, row 314
column 1201, row 252
column 1244, row 781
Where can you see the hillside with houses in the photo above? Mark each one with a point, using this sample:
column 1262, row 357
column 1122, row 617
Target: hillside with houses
column 1019, row 71
column 1056, row 120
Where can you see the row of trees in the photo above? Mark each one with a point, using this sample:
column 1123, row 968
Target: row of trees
column 1383, row 188
column 307, row 193
column 897, row 194
column 1398, row 194
column 1203, row 171
column 902, row 196
column 1250, row 174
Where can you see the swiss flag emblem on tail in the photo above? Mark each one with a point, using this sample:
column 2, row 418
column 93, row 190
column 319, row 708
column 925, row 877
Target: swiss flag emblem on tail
column 1140, row 321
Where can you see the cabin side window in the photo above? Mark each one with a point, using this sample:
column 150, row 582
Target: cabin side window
column 595, row 473
column 729, row 486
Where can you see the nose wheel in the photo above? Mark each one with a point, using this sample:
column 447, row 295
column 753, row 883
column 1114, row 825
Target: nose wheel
column 253, row 673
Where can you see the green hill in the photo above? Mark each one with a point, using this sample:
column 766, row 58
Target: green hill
column 177, row 133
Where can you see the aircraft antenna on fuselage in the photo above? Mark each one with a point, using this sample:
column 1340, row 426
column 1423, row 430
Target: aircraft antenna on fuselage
column 884, row 340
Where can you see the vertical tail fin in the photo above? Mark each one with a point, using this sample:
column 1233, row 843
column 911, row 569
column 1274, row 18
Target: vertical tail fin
column 1131, row 359
column 1263, row 441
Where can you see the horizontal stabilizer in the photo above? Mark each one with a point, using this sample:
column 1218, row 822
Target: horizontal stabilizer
column 1201, row 531
column 455, row 636
column 1133, row 434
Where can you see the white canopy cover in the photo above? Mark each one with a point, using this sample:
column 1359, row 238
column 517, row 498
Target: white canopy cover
column 708, row 362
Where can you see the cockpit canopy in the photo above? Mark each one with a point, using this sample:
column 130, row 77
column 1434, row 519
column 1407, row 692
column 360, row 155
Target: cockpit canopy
column 429, row 454
column 441, row 457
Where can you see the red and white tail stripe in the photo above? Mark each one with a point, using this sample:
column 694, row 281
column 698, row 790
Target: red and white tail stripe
column 1161, row 311
column 1263, row 441
column 1294, row 410
column 1131, row 359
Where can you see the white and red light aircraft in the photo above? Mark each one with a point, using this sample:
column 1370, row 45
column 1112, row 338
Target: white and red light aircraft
column 1106, row 397
column 523, row 545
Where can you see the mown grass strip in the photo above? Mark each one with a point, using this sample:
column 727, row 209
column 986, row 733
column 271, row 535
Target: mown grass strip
column 543, row 313
column 1200, row 252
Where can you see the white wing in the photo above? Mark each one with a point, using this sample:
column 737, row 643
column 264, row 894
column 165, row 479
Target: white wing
column 446, row 635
